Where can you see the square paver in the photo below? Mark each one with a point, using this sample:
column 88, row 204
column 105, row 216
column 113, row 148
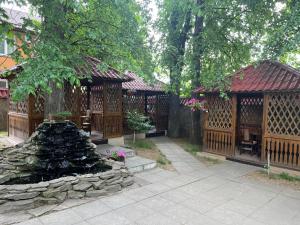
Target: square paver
column 134, row 212
column 157, row 219
column 110, row 218
column 91, row 209
column 65, row 217
column 117, row 201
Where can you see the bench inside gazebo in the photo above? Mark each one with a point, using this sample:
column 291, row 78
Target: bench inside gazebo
column 150, row 100
column 97, row 101
column 260, row 118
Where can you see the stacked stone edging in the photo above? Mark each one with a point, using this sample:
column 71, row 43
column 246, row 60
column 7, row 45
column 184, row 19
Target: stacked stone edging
column 27, row 196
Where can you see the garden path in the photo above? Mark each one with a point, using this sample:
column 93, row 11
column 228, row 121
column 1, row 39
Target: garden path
column 194, row 194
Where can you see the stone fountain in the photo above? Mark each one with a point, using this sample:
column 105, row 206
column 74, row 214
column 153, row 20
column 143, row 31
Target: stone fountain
column 57, row 162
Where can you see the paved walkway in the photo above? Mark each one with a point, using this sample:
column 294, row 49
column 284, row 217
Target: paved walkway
column 194, row 194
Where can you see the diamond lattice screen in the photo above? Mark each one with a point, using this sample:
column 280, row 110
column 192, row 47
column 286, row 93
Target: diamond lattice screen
column 163, row 101
column 134, row 102
column 283, row 115
column 71, row 99
column 18, row 107
column 114, row 97
column 97, row 99
column 251, row 110
column 39, row 105
column 84, row 99
column 219, row 112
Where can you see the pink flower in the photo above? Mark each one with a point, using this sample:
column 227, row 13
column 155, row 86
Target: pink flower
column 121, row 154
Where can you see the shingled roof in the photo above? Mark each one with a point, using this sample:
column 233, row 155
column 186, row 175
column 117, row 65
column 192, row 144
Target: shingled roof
column 138, row 84
column 109, row 74
column 16, row 17
column 268, row 76
column 91, row 66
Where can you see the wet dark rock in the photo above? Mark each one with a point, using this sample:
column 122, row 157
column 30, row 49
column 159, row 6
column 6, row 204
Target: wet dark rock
column 55, row 150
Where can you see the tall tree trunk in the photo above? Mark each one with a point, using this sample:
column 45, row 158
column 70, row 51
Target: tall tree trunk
column 176, row 67
column 54, row 102
column 196, row 136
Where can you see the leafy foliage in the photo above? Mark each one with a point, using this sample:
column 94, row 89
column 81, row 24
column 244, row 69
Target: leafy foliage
column 138, row 122
column 232, row 34
column 112, row 30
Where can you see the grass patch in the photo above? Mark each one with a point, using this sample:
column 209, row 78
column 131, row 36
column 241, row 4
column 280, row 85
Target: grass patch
column 188, row 147
column 208, row 160
column 282, row 176
column 147, row 149
column 282, row 179
column 3, row 133
column 142, row 144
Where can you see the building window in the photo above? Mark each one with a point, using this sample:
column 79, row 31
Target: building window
column 2, row 47
column 6, row 48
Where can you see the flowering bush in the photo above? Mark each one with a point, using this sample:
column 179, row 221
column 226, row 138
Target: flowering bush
column 195, row 104
column 118, row 155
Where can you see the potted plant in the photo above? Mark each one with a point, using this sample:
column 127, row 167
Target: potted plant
column 118, row 156
column 138, row 123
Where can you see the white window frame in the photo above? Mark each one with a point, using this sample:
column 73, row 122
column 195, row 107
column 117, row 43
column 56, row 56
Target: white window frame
column 4, row 81
column 6, row 47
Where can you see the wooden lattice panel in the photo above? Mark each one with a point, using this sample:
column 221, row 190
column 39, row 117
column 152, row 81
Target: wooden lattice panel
column 84, row 100
column 71, row 99
column 18, row 107
column 251, row 110
column 163, row 104
column 134, row 102
column 38, row 105
column 97, row 99
column 114, row 97
column 219, row 112
column 283, row 114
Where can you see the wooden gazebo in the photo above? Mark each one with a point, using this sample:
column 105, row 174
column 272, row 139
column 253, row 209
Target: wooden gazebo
column 262, row 112
column 150, row 100
column 102, row 95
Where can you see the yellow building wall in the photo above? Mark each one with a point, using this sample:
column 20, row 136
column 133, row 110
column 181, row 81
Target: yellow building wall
column 6, row 62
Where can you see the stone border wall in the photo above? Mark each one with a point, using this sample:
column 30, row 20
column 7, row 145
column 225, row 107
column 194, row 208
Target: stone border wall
column 28, row 196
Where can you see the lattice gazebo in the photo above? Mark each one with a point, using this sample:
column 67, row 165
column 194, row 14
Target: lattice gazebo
column 102, row 95
column 151, row 100
column 262, row 107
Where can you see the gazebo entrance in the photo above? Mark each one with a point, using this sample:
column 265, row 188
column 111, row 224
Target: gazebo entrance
column 259, row 119
column 249, row 127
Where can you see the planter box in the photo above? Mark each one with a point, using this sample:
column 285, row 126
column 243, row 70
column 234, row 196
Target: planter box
column 140, row 136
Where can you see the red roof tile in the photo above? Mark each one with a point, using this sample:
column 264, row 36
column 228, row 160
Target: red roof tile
column 110, row 74
column 91, row 65
column 268, row 76
column 3, row 93
column 139, row 84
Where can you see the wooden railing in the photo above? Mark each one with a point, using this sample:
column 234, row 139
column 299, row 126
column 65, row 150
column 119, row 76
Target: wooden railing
column 284, row 151
column 18, row 125
column 113, row 126
column 219, row 141
column 97, row 121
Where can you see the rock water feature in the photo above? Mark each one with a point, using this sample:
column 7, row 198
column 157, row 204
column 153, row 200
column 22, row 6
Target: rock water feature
column 57, row 162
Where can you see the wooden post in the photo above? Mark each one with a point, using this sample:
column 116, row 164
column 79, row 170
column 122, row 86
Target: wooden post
column 146, row 103
column 104, row 108
column 88, row 97
column 30, row 106
column 234, row 118
column 264, row 126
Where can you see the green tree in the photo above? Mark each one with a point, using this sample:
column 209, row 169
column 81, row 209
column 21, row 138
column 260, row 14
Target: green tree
column 112, row 30
column 138, row 123
column 222, row 37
